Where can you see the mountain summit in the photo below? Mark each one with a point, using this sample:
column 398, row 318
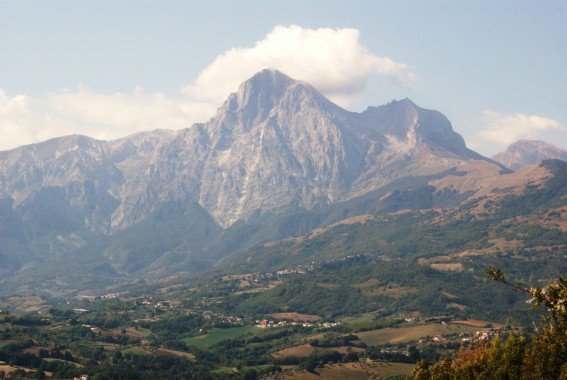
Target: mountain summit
column 275, row 148
column 525, row 153
column 403, row 121
column 278, row 142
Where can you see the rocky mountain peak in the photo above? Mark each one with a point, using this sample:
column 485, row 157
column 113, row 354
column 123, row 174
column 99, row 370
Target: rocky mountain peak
column 269, row 81
column 276, row 147
column 257, row 96
column 275, row 138
column 525, row 153
column 275, row 142
column 413, row 128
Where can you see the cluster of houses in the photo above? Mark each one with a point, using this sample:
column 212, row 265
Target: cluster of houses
column 207, row 314
column 107, row 296
column 472, row 337
column 260, row 278
column 487, row 335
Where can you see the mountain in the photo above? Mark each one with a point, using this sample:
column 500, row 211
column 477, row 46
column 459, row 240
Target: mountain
column 277, row 160
column 411, row 262
column 525, row 153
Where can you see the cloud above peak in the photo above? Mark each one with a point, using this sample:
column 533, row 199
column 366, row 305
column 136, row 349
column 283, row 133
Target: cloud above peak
column 501, row 130
column 332, row 60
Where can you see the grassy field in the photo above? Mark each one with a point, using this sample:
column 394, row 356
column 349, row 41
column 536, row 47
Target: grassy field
column 301, row 351
column 135, row 351
column 351, row 371
column 218, row 335
column 165, row 351
column 9, row 369
column 137, row 332
column 413, row 333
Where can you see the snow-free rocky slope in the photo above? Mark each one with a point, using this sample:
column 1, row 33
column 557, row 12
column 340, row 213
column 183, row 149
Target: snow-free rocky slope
column 524, row 153
column 277, row 159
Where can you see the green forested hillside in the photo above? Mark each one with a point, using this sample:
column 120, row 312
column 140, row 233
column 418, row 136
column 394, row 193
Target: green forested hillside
column 437, row 257
column 391, row 289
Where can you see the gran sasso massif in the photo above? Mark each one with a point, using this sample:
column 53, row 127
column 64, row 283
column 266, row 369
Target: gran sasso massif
column 277, row 160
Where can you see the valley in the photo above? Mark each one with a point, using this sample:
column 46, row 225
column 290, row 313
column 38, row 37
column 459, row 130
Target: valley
column 192, row 330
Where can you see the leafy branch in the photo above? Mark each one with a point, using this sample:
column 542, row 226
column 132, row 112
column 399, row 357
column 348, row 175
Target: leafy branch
column 553, row 296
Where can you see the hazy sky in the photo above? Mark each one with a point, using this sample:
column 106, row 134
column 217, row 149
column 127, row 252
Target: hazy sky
column 110, row 68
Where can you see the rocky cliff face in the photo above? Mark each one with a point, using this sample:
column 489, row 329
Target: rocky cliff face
column 278, row 158
column 525, row 153
column 276, row 142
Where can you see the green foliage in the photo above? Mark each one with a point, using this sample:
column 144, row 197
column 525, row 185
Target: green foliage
column 399, row 287
column 553, row 296
column 545, row 357
column 335, row 340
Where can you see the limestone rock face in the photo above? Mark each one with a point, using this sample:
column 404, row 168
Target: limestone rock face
column 275, row 143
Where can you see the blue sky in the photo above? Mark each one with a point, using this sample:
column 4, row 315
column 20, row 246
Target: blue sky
column 107, row 69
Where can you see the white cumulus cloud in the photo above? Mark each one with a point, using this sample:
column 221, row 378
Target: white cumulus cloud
column 115, row 115
column 332, row 60
column 504, row 129
column 25, row 120
column 17, row 120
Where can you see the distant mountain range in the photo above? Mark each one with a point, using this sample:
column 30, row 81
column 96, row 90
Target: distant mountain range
column 277, row 160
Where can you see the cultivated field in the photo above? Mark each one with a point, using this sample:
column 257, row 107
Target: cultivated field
column 352, row 371
column 477, row 323
column 165, row 352
column 306, row 349
column 219, row 335
column 414, row 333
column 300, row 351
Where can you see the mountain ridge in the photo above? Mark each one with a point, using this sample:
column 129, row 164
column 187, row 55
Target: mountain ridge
column 272, row 122
column 278, row 159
